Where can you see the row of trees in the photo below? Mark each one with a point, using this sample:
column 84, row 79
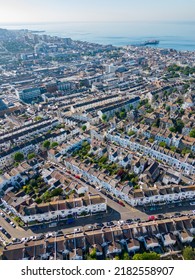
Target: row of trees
column 18, row 157
column 47, row 144
column 125, row 256
column 188, row 254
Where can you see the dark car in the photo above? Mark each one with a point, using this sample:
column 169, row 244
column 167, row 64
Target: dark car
column 60, row 233
column 137, row 220
column 177, row 214
column 7, row 220
column 109, row 224
column 129, row 221
column 99, row 225
column 7, row 235
column 109, row 196
column 160, row 217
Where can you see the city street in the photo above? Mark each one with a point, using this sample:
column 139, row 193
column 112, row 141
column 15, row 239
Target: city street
column 114, row 213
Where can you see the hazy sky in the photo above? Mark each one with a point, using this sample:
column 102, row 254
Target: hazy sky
column 95, row 10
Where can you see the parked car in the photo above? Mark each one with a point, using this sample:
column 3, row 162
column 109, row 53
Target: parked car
column 109, row 224
column 121, row 222
column 160, row 216
column 129, row 221
column 40, row 237
column 7, row 234
column 49, row 234
column 32, row 238
column 137, row 220
column 12, row 224
column 70, row 221
column 77, row 230
column 177, row 214
column 90, row 227
column 25, row 239
column 16, row 240
column 60, row 232
column 109, row 196
column 99, row 225
column 7, row 220
column 2, row 214
column 121, row 203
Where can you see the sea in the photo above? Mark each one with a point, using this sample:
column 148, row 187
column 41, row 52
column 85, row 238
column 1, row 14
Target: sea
column 172, row 35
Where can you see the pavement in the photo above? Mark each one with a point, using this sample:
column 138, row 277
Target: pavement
column 17, row 232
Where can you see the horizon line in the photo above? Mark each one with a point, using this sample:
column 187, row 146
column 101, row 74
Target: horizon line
column 103, row 21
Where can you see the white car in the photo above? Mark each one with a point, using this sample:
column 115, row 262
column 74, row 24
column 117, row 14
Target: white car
column 77, row 230
column 49, row 234
column 25, row 239
column 12, row 224
column 121, row 222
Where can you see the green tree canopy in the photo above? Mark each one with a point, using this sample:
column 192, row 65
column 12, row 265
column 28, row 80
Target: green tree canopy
column 84, row 127
column 18, row 157
column 31, row 155
column 46, row 144
column 54, row 144
column 189, row 253
column 162, row 144
column 104, row 117
column 192, row 133
column 147, row 256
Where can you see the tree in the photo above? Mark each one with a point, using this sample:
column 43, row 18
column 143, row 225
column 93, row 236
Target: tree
column 151, row 140
column 179, row 125
column 172, row 129
column 131, row 132
column 54, row 144
column 147, row 256
column 162, row 144
column 104, row 117
column 84, row 127
column 46, row 144
column 56, row 192
column 125, row 256
column 122, row 115
column 46, row 196
column 189, row 253
column 18, row 157
column 131, row 107
column 185, row 151
column 33, row 183
column 31, row 155
column 173, row 148
column 93, row 254
column 38, row 118
column 156, row 123
column 168, row 108
column 192, row 133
